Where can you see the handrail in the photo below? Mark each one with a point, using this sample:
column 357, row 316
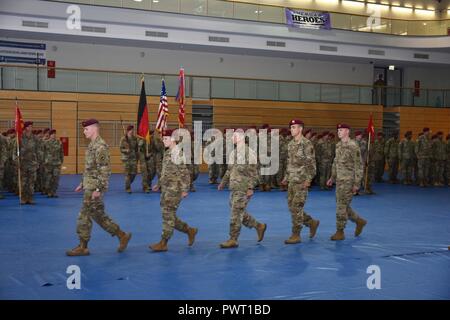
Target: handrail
column 4, row 65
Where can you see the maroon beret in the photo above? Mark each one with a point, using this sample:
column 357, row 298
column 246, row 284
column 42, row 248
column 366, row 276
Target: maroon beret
column 313, row 134
column 265, row 126
column 421, row 134
column 343, row 126
column 426, row 129
column 331, row 135
column 27, row 124
column 307, row 131
column 89, row 122
column 167, row 133
column 325, row 133
column 380, row 134
column 358, row 133
column 408, row 133
column 440, row 133
column 448, row 137
column 296, row 121
column 12, row 130
column 434, row 136
column 130, row 127
column 46, row 130
column 52, row 131
column 38, row 131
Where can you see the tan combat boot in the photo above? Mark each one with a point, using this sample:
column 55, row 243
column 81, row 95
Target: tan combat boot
column 128, row 190
column 191, row 234
column 293, row 239
column 160, row 246
column 123, row 240
column 229, row 244
column 260, row 230
column 81, row 250
column 360, row 223
column 313, row 228
column 339, row 235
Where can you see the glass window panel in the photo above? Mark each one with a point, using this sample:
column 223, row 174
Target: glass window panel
column 407, row 97
column 310, row 92
column 194, row 6
column 143, row 4
column 200, row 88
column 289, row 91
column 399, row 27
column 340, row 21
column 152, row 84
column 245, row 89
column 121, row 83
column 65, row 80
column 89, row 81
column 222, row 88
column 246, row 11
column 165, row 5
column 26, row 78
column 271, row 14
column 9, row 78
column 392, row 97
column 172, row 84
column 330, row 93
column 435, row 98
column 421, row 100
column 218, row 8
column 359, row 23
column 365, row 95
column 110, row 3
column 349, row 94
column 43, row 80
column 447, row 99
column 266, row 90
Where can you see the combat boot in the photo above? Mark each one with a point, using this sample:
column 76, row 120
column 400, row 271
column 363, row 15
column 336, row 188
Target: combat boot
column 80, row 250
column 160, row 246
column 339, row 235
column 313, row 228
column 360, row 223
column 124, row 238
column 192, row 232
column 229, row 244
column 293, row 239
column 262, row 187
column 260, row 230
column 267, row 188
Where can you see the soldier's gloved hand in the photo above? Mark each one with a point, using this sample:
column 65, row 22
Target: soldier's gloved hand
column 307, row 184
column 220, row 186
column 284, row 182
column 96, row 194
column 330, row 182
column 249, row 193
column 355, row 189
column 155, row 188
column 184, row 194
column 79, row 188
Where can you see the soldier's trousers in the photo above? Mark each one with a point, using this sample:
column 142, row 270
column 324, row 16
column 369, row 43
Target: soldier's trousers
column 52, row 181
column 2, row 176
column 130, row 168
column 344, row 195
column 194, row 170
column 281, row 171
column 94, row 209
column 379, row 171
column 146, row 172
column 424, row 170
column 439, row 166
column 393, row 169
column 447, row 170
column 213, row 171
column 325, row 173
column 406, row 170
column 239, row 214
column 297, row 195
column 28, row 178
column 170, row 200
column 222, row 169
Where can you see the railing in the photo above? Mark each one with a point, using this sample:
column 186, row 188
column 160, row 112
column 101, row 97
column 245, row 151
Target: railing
column 18, row 77
column 276, row 14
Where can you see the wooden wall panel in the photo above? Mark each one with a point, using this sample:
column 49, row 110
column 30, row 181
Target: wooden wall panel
column 416, row 118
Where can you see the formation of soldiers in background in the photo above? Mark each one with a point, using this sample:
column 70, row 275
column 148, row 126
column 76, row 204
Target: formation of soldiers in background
column 41, row 156
column 424, row 162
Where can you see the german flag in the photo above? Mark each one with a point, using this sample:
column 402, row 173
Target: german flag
column 142, row 119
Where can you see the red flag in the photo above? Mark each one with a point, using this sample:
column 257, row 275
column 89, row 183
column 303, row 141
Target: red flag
column 19, row 124
column 142, row 120
column 181, row 99
column 371, row 128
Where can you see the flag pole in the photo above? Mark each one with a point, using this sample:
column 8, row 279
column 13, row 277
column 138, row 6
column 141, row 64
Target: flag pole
column 19, row 179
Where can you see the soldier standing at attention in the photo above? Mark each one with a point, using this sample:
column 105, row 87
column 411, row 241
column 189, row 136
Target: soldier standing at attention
column 3, row 158
column 391, row 154
column 300, row 171
column 54, row 158
column 347, row 173
column 379, row 157
column 406, row 158
column 97, row 170
column 439, row 154
column 242, row 177
column 423, row 153
column 145, row 163
column 129, row 155
column 174, row 184
column 447, row 166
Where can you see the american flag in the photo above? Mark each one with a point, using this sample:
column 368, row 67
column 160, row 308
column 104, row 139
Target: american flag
column 180, row 98
column 163, row 109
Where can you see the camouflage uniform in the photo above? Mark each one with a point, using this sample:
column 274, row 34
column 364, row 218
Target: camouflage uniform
column 379, row 159
column 54, row 158
column 423, row 153
column 146, row 163
column 391, row 154
column 129, row 155
column 439, row 156
column 194, row 169
column 3, row 158
column 406, row 158
column 447, row 167
column 347, row 172
column 174, row 180
column 28, row 166
column 158, row 154
column 213, row 168
column 283, row 152
column 241, row 176
column 301, row 168
column 97, row 170
column 327, row 149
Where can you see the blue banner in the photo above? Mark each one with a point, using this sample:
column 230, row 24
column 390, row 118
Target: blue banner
column 22, row 52
column 308, row 19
